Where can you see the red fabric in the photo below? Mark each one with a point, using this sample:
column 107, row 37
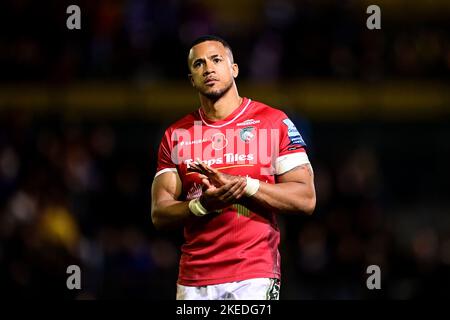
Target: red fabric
column 228, row 246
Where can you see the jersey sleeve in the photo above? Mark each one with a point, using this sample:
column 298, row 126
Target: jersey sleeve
column 292, row 149
column 165, row 162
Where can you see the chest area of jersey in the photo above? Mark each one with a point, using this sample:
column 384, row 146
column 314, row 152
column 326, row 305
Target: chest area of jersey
column 250, row 142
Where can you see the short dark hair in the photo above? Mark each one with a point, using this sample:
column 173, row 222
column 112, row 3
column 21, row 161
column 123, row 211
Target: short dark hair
column 210, row 37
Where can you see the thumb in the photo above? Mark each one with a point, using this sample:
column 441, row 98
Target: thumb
column 206, row 183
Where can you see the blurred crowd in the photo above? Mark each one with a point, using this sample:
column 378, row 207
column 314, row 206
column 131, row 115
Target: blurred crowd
column 78, row 192
column 146, row 40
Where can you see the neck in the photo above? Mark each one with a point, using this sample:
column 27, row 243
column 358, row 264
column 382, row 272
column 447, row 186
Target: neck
column 221, row 108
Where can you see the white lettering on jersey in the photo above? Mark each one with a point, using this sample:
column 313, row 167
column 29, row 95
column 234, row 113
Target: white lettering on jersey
column 228, row 158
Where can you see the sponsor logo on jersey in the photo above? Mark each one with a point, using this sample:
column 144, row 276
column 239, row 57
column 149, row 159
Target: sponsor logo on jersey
column 228, row 158
column 293, row 134
column 248, row 122
column 188, row 143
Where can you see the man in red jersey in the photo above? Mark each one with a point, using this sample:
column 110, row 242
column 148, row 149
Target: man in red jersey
column 224, row 171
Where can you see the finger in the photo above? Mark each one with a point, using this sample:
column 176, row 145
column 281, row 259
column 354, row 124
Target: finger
column 232, row 198
column 215, row 174
column 241, row 192
column 223, row 189
column 221, row 178
column 225, row 196
column 199, row 163
column 207, row 183
column 194, row 167
column 218, row 176
column 235, row 190
column 208, row 168
column 205, row 168
column 211, row 169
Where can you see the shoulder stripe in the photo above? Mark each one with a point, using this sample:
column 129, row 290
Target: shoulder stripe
column 290, row 161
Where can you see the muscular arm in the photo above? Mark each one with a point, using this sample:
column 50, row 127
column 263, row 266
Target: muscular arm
column 166, row 210
column 294, row 192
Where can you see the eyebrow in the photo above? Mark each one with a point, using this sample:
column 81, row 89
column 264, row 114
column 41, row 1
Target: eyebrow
column 210, row 57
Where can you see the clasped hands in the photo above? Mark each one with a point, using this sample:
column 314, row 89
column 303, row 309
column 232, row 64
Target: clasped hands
column 220, row 190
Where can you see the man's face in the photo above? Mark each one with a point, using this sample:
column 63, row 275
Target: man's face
column 212, row 69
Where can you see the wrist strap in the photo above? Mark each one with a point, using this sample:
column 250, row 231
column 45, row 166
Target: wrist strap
column 252, row 186
column 196, row 208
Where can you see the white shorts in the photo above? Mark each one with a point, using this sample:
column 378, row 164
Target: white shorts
column 251, row 289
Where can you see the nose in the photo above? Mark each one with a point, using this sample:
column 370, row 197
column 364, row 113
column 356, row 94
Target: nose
column 208, row 68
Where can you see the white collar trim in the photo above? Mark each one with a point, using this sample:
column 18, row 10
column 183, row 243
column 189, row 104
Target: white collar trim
column 227, row 123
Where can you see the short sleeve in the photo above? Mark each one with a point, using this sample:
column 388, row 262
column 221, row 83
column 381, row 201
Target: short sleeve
column 165, row 162
column 292, row 149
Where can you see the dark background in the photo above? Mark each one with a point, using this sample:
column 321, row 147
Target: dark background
column 82, row 113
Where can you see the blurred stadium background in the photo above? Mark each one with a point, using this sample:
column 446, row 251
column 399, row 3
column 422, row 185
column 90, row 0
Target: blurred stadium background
column 82, row 113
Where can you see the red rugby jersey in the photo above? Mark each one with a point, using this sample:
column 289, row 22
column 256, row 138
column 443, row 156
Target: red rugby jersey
column 256, row 141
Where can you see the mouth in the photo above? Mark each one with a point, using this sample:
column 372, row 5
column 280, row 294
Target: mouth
column 210, row 81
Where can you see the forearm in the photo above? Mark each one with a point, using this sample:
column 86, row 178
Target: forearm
column 170, row 214
column 287, row 197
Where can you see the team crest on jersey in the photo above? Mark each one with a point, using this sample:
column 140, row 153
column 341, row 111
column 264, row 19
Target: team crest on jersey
column 293, row 134
column 247, row 134
column 219, row 141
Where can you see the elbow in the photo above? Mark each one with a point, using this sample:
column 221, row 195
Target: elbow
column 306, row 205
column 310, row 206
column 160, row 222
column 156, row 220
column 310, row 203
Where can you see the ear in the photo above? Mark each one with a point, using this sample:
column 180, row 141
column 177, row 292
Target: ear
column 235, row 70
column 191, row 79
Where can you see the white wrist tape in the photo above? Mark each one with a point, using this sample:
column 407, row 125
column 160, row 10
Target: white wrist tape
column 196, row 208
column 252, row 186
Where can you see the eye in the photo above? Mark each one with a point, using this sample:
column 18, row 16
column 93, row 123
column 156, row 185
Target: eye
column 197, row 64
column 217, row 60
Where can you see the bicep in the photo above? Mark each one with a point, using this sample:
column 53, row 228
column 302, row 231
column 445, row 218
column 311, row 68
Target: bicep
column 166, row 186
column 302, row 174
